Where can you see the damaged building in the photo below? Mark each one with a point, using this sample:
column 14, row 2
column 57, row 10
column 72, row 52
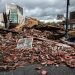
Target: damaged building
column 12, row 17
column 14, row 14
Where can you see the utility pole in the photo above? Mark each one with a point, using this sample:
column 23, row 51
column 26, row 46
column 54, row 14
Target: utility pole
column 67, row 8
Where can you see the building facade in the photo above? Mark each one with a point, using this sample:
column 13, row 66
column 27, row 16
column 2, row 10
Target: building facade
column 15, row 13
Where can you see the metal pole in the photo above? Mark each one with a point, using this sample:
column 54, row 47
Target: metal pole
column 66, row 32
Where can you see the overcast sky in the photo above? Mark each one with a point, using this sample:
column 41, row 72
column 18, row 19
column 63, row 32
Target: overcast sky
column 41, row 9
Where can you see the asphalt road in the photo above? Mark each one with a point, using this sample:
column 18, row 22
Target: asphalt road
column 52, row 70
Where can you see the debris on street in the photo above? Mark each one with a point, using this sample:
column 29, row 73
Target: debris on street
column 44, row 51
column 32, row 42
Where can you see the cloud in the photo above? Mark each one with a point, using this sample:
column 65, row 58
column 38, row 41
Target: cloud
column 41, row 9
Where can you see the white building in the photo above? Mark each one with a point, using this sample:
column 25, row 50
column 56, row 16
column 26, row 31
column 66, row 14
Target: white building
column 15, row 13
